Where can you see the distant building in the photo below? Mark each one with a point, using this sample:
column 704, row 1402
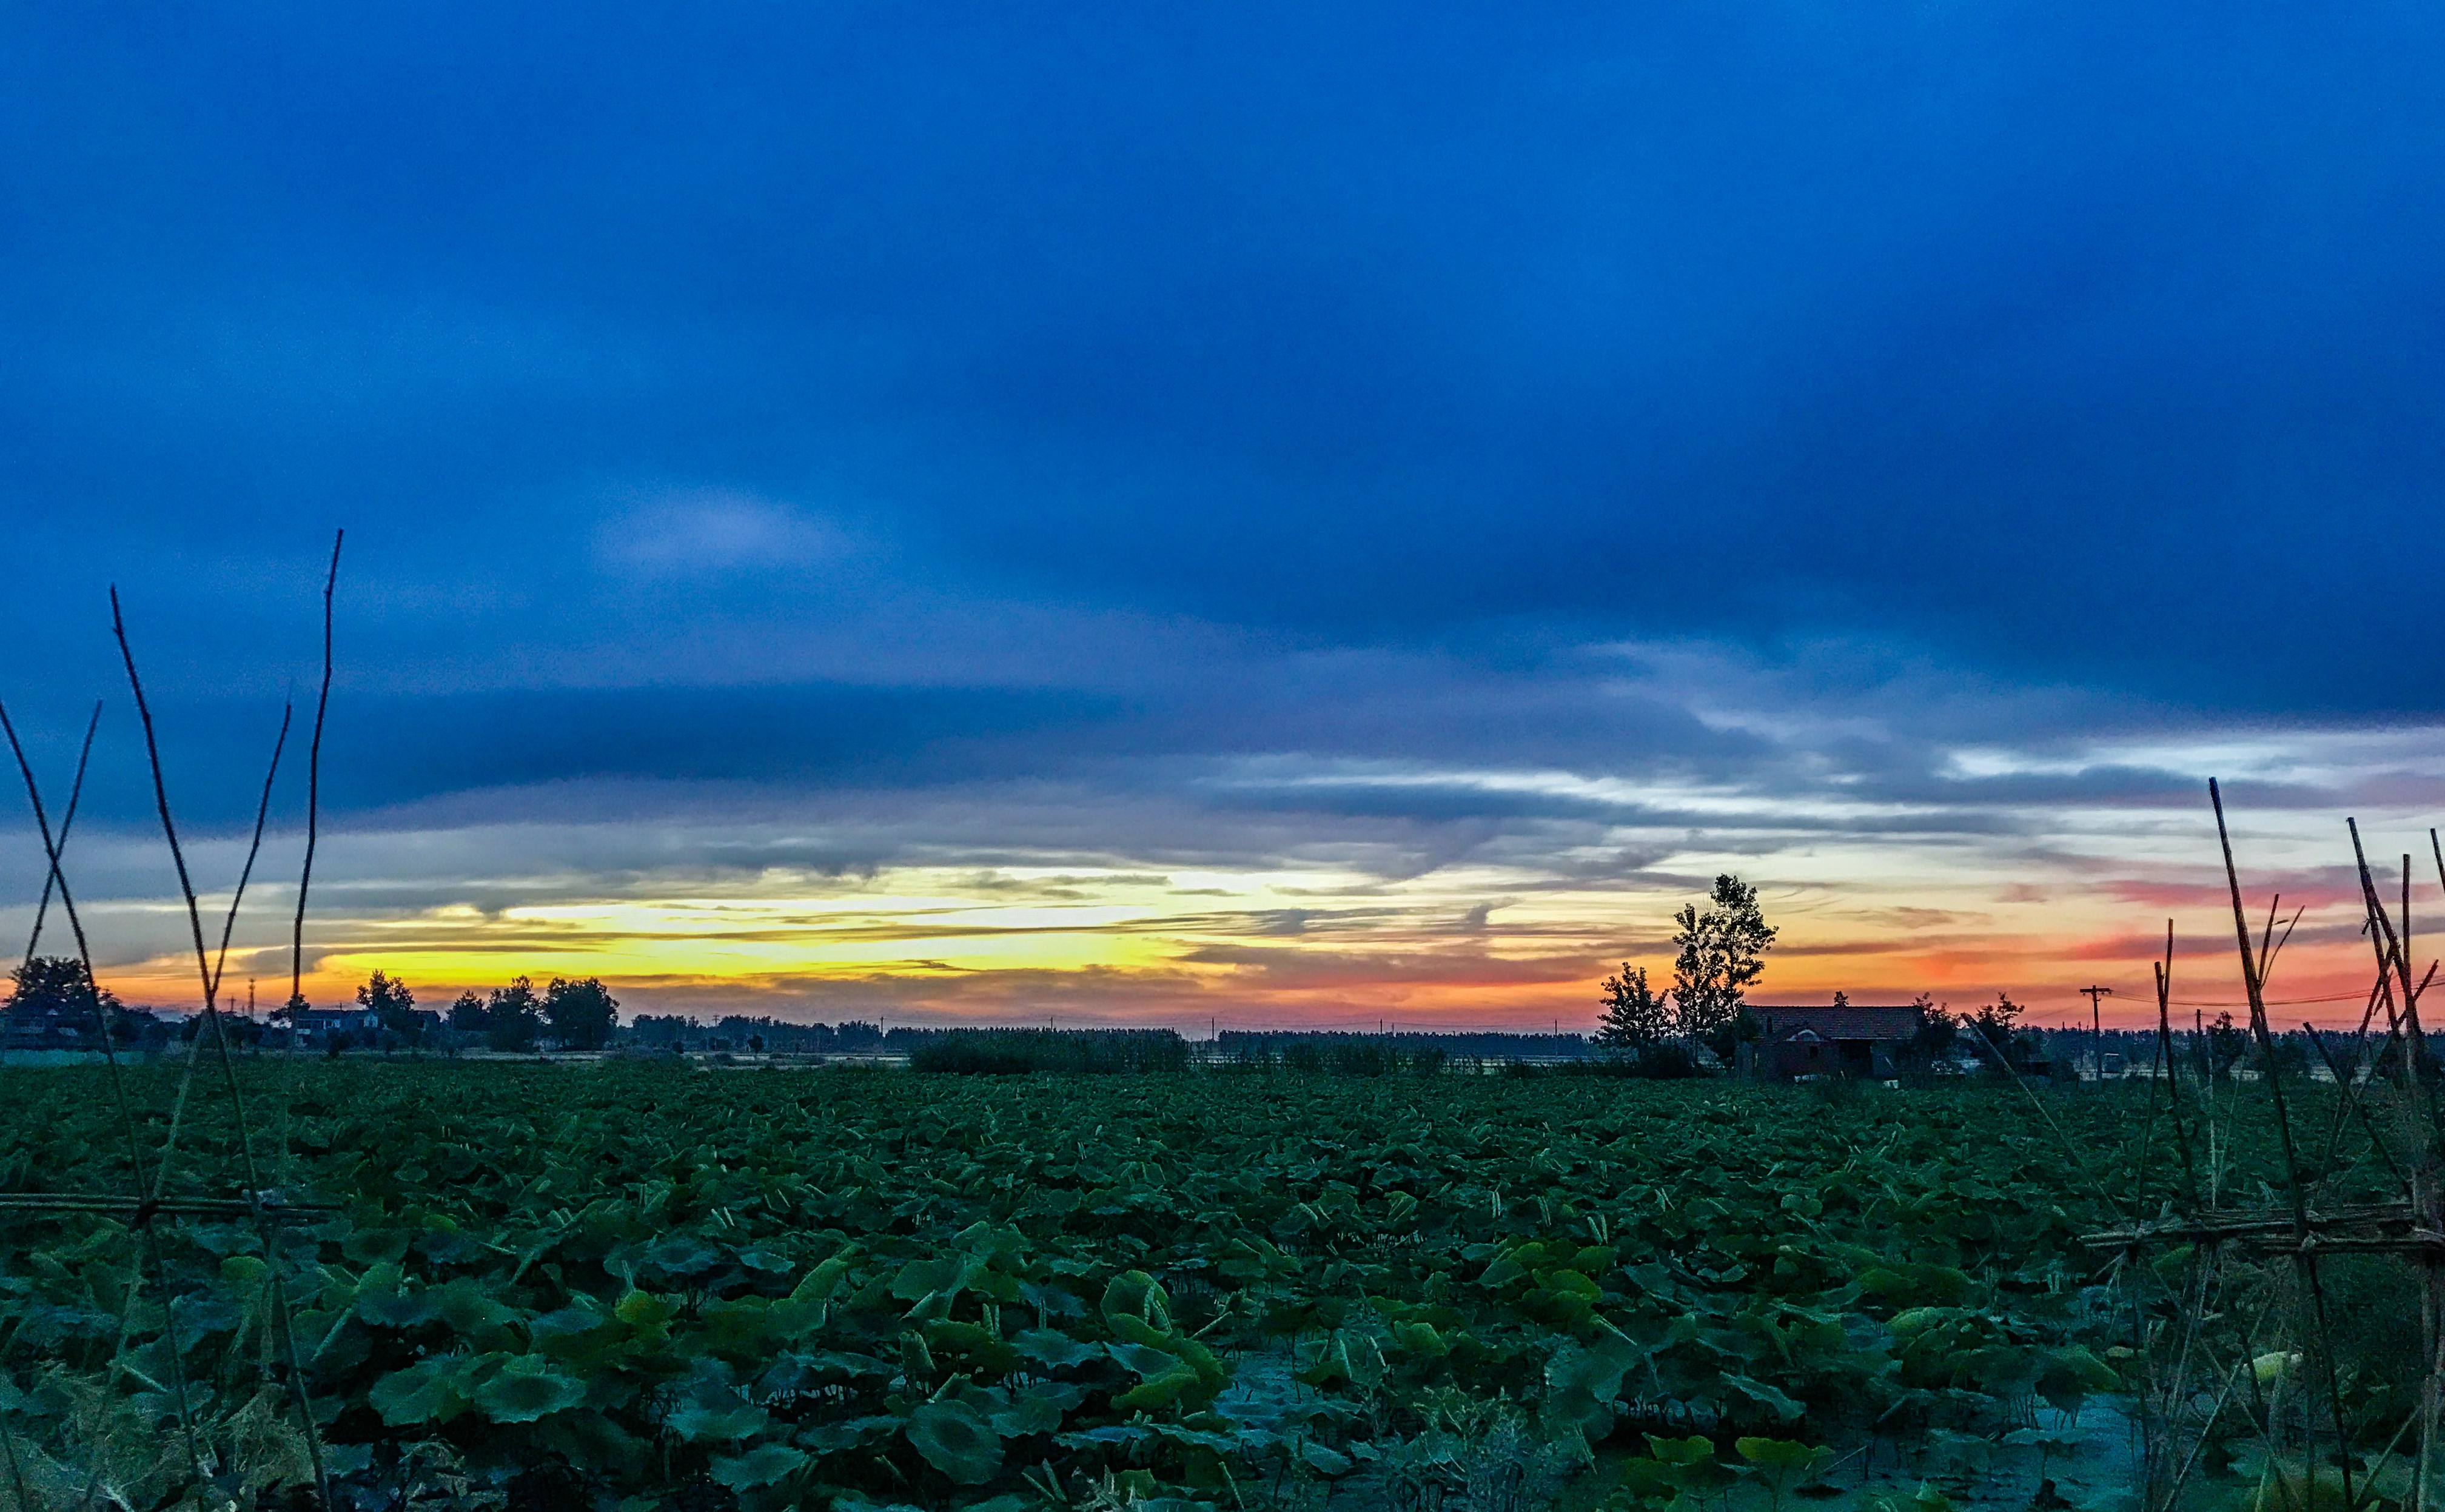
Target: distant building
column 58, row 1026
column 1848, row 1042
column 318, row 1028
column 48, row 1026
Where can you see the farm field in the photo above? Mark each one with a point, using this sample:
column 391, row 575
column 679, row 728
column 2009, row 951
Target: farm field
column 626, row 1287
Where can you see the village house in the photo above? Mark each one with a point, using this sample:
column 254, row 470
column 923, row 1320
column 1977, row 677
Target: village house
column 44, row 1025
column 48, row 1026
column 1848, row 1040
column 316, row 1028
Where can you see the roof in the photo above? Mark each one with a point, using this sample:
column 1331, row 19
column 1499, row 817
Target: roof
column 1853, row 1021
column 341, row 1016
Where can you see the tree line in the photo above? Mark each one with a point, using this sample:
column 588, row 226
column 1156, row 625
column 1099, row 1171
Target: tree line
column 580, row 1013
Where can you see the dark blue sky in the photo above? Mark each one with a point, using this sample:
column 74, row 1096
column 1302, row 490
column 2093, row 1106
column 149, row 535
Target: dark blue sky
column 914, row 395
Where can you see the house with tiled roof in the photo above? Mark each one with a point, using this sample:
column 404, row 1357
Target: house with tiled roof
column 1843, row 1040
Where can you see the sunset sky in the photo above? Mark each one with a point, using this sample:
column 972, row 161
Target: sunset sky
column 1236, row 516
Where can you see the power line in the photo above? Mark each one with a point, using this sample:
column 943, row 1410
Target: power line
column 2271, row 1002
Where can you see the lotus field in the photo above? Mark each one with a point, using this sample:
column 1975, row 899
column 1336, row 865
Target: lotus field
column 627, row 1287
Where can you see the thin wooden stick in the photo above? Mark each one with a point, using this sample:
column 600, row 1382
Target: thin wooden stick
column 2368, row 1125
column 41, row 1203
column 2391, row 953
column 2253, row 983
column 162, row 798
column 313, row 799
column 2070, row 1146
column 208, row 970
column 262, row 810
column 2165, row 1051
column 149, row 1244
column 2433, row 1319
column 9, row 1437
column 2352, row 1099
column 85, row 953
column 67, row 822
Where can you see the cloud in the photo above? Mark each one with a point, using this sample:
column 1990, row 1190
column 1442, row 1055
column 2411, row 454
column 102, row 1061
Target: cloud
column 708, row 845
column 717, row 533
column 1352, row 472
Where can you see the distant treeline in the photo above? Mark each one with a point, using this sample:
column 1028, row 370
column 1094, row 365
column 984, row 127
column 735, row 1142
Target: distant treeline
column 1014, row 1051
column 1005, row 1052
column 983, row 1051
column 1019, row 1052
column 1488, row 1045
column 763, row 1035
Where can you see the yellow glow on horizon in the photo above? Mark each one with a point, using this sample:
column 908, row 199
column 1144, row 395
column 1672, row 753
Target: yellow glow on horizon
column 1471, row 943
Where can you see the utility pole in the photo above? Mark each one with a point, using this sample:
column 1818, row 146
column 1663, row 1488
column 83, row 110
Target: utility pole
column 2097, row 1029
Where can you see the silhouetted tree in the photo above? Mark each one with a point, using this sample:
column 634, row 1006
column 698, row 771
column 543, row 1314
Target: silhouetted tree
column 1994, row 1032
column 1722, row 953
column 469, row 1016
column 390, row 999
column 582, row 1014
column 1935, row 1034
column 1636, row 1019
column 46, row 983
column 2228, row 1044
column 514, row 1019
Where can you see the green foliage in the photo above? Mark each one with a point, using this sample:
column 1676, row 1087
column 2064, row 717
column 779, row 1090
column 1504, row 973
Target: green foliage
column 827, row 1289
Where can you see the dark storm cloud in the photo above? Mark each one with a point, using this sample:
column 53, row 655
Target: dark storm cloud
column 900, row 397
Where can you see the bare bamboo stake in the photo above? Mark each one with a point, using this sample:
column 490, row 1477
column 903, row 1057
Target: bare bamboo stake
column 2368, row 1125
column 2391, row 952
column 2253, row 983
column 67, row 822
column 262, row 812
column 148, row 1244
column 313, row 796
column 2414, row 1078
column 2070, row 1146
column 2431, row 1317
column 85, row 954
column 42, row 1203
column 9, row 1436
column 2165, row 1053
column 208, row 970
column 161, row 797
column 2353, row 1099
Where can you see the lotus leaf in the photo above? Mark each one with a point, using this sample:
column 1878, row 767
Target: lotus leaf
column 717, row 1423
column 762, row 1466
column 525, row 1389
column 956, row 1441
column 427, row 1391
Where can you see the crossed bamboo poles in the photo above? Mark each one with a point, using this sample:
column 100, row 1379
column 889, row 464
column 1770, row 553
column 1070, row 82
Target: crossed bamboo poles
column 150, row 1198
column 2412, row 1228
